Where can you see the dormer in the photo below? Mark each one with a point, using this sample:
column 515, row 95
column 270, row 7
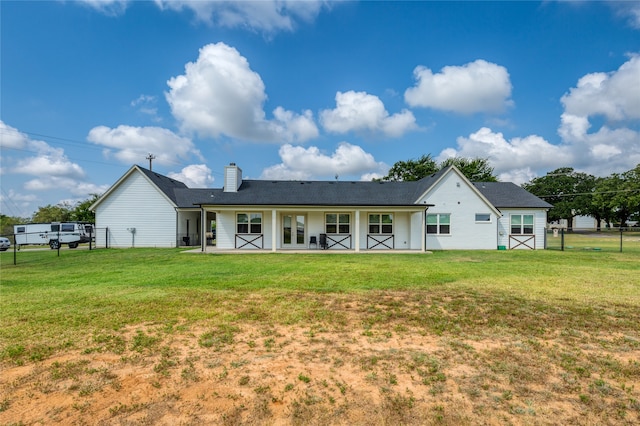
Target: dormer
column 232, row 178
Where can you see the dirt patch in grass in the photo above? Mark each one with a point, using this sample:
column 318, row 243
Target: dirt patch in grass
column 375, row 359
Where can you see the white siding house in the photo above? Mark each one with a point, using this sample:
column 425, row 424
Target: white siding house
column 444, row 211
column 136, row 214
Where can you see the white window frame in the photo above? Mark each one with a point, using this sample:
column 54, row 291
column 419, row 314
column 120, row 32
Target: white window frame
column 381, row 224
column 338, row 223
column 250, row 224
column 521, row 225
column 438, row 223
column 488, row 220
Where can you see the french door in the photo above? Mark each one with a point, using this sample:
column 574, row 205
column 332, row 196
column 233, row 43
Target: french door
column 293, row 230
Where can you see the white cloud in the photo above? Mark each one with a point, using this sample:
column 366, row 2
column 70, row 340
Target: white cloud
column 362, row 112
column 615, row 95
column 78, row 188
column 629, row 10
column 48, row 160
column 515, row 157
column 300, row 163
column 12, row 138
column 108, row 7
column 147, row 105
column 265, row 15
column 220, row 94
column 133, row 144
column 194, row 176
column 478, row 86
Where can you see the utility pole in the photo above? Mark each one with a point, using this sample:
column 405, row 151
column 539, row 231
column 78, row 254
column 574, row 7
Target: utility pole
column 150, row 157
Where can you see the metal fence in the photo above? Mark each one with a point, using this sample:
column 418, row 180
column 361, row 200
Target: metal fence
column 54, row 243
column 608, row 239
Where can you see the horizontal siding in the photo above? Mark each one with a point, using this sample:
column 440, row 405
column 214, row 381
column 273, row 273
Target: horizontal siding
column 539, row 221
column 452, row 195
column 136, row 203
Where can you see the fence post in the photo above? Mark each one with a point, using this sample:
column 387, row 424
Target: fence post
column 621, row 239
column 14, row 249
column 106, row 237
column 90, row 237
column 59, row 242
column 561, row 239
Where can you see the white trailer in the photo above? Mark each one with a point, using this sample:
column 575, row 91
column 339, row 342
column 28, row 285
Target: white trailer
column 53, row 234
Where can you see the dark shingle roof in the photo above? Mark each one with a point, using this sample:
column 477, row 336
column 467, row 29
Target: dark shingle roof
column 164, row 183
column 334, row 193
column 509, row 195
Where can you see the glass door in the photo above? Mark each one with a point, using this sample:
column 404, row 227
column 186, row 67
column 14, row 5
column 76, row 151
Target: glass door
column 293, row 230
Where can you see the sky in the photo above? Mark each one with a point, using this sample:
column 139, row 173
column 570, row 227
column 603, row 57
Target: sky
column 310, row 90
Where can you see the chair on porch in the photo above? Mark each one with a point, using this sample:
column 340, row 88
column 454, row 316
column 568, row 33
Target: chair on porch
column 313, row 240
column 323, row 242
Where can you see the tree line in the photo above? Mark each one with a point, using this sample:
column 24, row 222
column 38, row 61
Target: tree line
column 614, row 199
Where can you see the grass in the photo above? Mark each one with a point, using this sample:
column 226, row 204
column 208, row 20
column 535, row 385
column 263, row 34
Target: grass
column 515, row 331
column 46, row 300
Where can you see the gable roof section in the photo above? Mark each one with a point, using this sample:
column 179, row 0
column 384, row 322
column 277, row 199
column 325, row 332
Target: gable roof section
column 165, row 185
column 431, row 182
column 509, row 195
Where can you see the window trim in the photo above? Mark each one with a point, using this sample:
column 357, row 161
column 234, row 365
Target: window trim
column 522, row 224
column 381, row 224
column 250, row 225
column 338, row 224
column 439, row 225
column 488, row 220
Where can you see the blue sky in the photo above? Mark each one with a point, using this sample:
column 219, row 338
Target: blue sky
column 309, row 90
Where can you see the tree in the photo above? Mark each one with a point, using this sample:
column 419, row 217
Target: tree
column 81, row 212
column 475, row 169
column 569, row 191
column 619, row 195
column 7, row 223
column 411, row 170
column 49, row 213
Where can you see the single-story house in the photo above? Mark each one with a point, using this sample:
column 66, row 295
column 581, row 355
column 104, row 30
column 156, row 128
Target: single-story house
column 443, row 211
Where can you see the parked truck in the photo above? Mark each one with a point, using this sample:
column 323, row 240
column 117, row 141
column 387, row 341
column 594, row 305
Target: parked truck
column 53, row 234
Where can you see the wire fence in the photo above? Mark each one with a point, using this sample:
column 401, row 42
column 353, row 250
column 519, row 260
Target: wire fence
column 609, row 239
column 55, row 243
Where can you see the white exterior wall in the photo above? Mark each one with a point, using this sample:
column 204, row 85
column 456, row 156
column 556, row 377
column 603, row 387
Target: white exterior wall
column 539, row 230
column 226, row 228
column 454, row 196
column 147, row 210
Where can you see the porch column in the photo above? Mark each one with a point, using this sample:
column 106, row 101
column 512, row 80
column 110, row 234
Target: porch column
column 423, row 230
column 203, row 234
column 357, row 233
column 274, row 229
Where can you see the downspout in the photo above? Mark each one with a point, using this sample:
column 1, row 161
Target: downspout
column 423, row 226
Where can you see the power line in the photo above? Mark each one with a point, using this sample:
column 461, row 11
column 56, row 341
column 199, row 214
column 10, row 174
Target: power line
column 588, row 193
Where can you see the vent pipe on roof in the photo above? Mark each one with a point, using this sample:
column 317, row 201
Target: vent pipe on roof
column 232, row 178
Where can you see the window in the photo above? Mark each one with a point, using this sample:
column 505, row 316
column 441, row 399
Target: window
column 67, row 227
column 21, row 229
column 522, row 224
column 381, row 223
column 439, row 223
column 249, row 223
column 337, row 223
column 483, row 217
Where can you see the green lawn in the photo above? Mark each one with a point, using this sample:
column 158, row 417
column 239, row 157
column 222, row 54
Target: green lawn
column 457, row 337
column 45, row 297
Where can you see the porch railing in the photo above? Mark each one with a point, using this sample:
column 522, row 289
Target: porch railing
column 188, row 240
column 527, row 241
column 249, row 241
column 380, row 242
column 339, row 241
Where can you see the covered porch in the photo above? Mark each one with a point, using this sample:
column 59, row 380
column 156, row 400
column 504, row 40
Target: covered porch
column 317, row 228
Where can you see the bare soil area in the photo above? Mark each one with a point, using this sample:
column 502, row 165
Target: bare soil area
column 356, row 374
